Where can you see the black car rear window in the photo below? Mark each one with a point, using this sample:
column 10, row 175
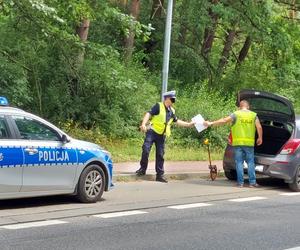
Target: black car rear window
column 263, row 104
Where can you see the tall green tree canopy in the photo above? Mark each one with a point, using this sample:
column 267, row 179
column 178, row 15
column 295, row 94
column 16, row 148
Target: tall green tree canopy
column 98, row 63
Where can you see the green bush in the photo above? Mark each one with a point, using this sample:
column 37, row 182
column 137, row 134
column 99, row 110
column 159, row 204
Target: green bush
column 212, row 106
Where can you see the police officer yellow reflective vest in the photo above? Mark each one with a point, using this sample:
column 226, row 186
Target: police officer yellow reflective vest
column 158, row 122
column 243, row 131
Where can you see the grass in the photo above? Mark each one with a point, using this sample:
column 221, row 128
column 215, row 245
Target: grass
column 129, row 150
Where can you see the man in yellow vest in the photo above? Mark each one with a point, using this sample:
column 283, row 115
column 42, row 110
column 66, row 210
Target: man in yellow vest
column 244, row 125
column 161, row 117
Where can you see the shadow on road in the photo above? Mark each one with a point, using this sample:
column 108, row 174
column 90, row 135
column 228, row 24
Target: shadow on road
column 264, row 181
column 39, row 202
column 272, row 183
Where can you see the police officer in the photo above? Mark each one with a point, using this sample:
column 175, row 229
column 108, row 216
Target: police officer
column 161, row 116
column 244, row 125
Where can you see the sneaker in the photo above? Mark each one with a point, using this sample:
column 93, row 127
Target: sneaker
column 160, row 178
column 240, row 185
column 140, row 172
column 254, row 185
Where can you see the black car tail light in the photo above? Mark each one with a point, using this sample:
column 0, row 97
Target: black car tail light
column 290, row 147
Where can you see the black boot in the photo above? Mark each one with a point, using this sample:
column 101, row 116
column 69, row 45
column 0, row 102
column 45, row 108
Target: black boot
column 140, row 172
column 161, row 178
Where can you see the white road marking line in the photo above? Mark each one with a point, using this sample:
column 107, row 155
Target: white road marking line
column 193, row 205
column 33, row 224
column 255, row 198
column 120, row 214
column 290, row 194
column 294, row 248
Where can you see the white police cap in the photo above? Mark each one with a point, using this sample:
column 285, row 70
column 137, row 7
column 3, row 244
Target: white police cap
column 171, row 94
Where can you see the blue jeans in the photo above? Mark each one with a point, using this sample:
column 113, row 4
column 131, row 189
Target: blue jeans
column 241, row 154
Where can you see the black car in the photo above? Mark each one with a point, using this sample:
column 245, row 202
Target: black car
column 279, row 155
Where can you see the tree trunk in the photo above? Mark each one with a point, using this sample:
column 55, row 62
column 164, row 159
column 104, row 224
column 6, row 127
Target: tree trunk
column 157, row 21
column 129, row 41
column 82, row 31
column 244, row 51
column 209, row 32
column 292, row 13
column 226, row 51
column 183, row 22
column 157, row 9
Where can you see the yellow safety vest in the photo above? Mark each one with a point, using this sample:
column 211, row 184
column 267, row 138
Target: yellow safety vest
column 243, row 131
column 158, row 122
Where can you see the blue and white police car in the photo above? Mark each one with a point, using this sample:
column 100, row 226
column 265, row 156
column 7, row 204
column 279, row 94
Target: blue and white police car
column 38, row 159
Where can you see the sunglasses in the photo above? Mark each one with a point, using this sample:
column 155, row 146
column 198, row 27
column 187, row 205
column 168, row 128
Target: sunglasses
column 173, row 100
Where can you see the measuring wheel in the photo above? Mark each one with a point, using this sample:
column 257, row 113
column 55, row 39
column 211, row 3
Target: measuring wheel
column 213, row 168
column 213, row 172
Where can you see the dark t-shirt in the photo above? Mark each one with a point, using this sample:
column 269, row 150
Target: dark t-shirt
column 169, row 113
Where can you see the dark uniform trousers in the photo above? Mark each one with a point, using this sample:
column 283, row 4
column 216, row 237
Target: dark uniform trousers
column 159, row 140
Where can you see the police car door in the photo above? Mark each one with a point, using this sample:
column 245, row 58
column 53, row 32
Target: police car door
column 11, row 159
column 49, row 165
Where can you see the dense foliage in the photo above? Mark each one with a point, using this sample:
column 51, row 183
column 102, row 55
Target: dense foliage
column 97, row 64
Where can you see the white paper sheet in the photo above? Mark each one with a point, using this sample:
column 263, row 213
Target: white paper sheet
column 198, row 119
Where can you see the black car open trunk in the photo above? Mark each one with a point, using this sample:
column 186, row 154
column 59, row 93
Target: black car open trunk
column 275, row 135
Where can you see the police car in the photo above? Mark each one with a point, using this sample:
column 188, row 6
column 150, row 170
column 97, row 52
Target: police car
column 38, row 159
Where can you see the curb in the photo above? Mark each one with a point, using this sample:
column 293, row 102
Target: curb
column 131, row 177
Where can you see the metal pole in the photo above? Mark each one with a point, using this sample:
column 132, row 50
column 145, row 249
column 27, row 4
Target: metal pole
column 165, row 71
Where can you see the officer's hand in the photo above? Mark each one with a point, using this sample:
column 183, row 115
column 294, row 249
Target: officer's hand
column 191, row 124
column 259, row 141
column 143, row 128
column 207, row 123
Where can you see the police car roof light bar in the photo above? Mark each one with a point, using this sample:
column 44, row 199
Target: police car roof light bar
column 3, row 101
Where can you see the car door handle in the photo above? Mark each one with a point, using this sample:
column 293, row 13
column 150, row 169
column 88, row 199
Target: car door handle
column 31, row 151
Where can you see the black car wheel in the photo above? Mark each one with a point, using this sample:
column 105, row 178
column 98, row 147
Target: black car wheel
column 91, row 184
column 230, row 174
column 295, row 185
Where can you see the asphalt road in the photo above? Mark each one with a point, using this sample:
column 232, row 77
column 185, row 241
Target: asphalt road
column 267, row 218
column 266, row 222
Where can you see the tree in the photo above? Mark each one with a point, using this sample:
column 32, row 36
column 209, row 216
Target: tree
column 129, row 40
column 210, row 30
column 244, row 51
column 226, row 50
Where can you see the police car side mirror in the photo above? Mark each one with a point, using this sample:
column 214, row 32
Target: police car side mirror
column 65, row 138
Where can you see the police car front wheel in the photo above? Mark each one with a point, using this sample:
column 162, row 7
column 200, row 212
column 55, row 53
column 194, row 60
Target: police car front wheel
column 91, row 184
